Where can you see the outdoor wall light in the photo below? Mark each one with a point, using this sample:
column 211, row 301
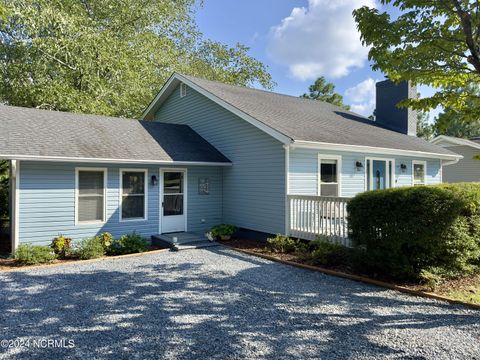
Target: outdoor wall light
column 358, row 165
column 154, row 180
column 403, row 167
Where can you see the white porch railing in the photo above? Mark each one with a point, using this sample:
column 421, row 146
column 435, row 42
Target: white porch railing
column 311, row 216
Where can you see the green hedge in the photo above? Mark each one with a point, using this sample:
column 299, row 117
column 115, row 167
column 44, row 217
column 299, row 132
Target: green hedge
column 404, row 231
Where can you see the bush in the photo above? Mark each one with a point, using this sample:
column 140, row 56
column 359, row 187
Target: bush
column 90, row 248
column 403, row 232
column 327, row 253
column 223, row 230
column 129, row 244
column 62, row 246
column 27, row 254
column 106, row 239
column 282, row 244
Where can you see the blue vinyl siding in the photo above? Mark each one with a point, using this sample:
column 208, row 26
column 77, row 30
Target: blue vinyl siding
column 254, row 187
column 303, row 174
column 47, row 202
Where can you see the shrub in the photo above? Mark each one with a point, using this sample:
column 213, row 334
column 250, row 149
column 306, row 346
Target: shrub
column 27, row 254
column 90, row 248
column 129, row 244
column 223, row 230
column 281, row 244
column 106, row 239
column 62, row 246
column 405, row 231
column 327, row 253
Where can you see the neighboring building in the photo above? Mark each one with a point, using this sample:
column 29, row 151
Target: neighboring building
column 468, row 168
column 207, row 153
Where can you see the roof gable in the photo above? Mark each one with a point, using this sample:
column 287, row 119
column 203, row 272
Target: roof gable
column 447, row 141
column 292, row 119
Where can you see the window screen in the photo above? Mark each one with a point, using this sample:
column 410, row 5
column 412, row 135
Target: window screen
column 133, row 195
column 419, row 174
column 91, row 196
column 328, row 177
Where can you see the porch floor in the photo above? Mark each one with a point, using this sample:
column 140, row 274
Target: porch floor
column 182, row 240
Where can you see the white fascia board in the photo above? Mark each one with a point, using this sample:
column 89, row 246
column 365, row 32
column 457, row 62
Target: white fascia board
column 371, row 150
column 173, row 81
column 108, row 161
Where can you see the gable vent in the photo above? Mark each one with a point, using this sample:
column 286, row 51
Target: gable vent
column 183, row 90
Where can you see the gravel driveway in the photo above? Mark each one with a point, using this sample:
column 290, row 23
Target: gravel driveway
column 216, row 303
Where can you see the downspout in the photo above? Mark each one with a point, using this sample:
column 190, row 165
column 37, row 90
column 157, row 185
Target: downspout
column 450, row 162
column 287, row 188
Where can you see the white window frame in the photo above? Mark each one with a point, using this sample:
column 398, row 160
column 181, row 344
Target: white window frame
column 120, row 193
column 77, row 183
column 338, row 158
column 389, row 172
column 419, row 162
column 183, row 90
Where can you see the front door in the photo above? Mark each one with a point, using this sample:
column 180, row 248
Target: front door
column 380, row 174
column 173, row 201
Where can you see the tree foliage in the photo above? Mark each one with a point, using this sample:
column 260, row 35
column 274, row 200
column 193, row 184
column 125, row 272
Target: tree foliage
column 435, row 42
column 4, row 198
column 452, row 123
column 325, row 91
column 108, row 57
column 425, row 130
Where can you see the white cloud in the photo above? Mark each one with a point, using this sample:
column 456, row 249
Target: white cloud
column 361, row 97
column 320, row 39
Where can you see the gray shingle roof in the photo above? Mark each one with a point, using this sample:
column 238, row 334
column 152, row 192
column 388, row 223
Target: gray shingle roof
column 32, row 132
column 310, row 120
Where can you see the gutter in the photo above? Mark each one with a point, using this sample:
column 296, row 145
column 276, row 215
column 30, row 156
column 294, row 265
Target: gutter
column 109, row 161
column 372, row 150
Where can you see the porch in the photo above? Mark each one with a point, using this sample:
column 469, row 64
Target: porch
column 313, row 216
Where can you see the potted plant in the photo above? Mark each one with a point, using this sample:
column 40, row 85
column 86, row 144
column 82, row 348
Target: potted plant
column 223, row 231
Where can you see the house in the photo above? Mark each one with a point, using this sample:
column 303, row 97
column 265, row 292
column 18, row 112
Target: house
column 468, row 168
column 206, row 153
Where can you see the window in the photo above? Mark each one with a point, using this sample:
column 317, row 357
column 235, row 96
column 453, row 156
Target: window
column 133, row 188
column 419, row 172
column 90, row 189
column 329, row 176
column 183, row 90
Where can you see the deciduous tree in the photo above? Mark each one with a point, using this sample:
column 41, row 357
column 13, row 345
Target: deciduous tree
column 434, row 42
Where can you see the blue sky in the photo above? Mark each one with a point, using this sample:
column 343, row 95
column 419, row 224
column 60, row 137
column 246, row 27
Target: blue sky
column 300, row 40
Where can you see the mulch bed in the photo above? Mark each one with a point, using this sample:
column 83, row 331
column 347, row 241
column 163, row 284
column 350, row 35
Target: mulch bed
column 444, row 289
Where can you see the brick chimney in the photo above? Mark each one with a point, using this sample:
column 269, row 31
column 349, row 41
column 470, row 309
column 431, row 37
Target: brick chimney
column 387, row 113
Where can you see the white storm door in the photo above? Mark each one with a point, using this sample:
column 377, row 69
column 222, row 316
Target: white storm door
column 173, row 210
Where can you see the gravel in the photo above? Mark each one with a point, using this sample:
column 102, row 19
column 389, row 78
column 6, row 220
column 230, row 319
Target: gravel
column 216, row 303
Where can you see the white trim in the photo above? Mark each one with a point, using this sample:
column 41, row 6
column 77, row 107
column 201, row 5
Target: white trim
column 110, row 161
column 454, row 141
column 389, row 172
column 287, row 189
column 176, row 78
column 105, row 182
column 120, row 195
column 15, row 237
column 337, row 158
column 185, row 195
column 370, row 149
column 419, row 162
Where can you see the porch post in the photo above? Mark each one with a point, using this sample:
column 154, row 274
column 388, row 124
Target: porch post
column 287, row 189
column 14, row 202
